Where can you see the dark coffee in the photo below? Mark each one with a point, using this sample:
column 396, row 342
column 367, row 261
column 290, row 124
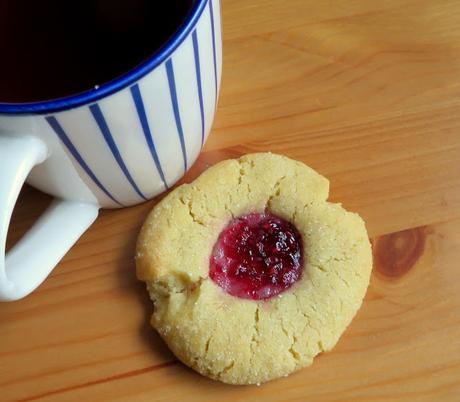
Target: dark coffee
column 53, row 48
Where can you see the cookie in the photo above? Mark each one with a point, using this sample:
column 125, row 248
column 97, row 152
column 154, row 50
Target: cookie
column 251, row 270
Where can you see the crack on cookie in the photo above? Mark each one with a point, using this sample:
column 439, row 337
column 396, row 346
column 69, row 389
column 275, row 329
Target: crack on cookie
column 226, row 369
column 292, row 339
column 294, row 215
column 308, row 320
column 249, row 162
column 226, row 207
column 195, row 219
column 295, row 355
column 249, row 189
column 276, row 192
column 334, row 272
column 321, row 347
column 285, row 332
column 194, row 285
column 229, row 211
column 256, row 333
column 341, row 306
column 188, row 204
column 256, row 323
column 194, row 361
column 205, row 196
column 319, row 267
column 347, row 284
column 242, row 174
column 311, row 203
column 206, row 346
column 164, row 287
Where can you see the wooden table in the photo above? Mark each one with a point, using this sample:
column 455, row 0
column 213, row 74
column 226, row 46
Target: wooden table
column 367, row 93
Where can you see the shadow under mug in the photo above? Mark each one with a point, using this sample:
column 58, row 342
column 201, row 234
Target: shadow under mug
column 115, row 146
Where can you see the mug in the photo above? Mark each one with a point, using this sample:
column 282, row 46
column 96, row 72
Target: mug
column 117, row 145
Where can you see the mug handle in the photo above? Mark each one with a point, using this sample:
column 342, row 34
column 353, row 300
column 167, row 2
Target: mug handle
column 30, row 261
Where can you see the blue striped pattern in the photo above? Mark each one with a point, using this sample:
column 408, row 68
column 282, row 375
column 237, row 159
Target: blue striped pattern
column 52, row 121
column 213, row 32
column 101, row 122
column 196, row 52
column 137, row 98
column 175, row 105
column 141, row 98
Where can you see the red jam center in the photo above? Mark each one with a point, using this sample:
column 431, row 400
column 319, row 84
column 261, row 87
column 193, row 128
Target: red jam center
column 257, row 256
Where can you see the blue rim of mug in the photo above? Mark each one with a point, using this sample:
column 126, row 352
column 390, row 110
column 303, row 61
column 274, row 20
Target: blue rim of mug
column 119, row 83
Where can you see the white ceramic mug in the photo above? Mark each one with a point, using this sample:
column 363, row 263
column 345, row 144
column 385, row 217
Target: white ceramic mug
column 115, row 146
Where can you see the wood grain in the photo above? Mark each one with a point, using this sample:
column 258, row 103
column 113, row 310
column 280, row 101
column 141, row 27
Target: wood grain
column 367, row 93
